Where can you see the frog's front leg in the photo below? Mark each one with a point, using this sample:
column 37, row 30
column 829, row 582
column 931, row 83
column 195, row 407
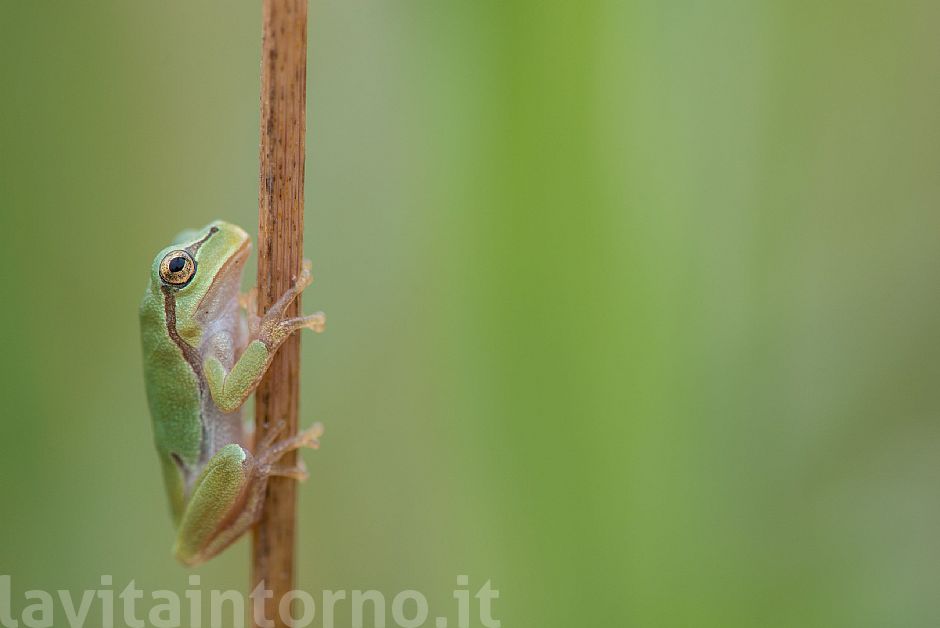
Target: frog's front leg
column 230, row 388
column 228, row 495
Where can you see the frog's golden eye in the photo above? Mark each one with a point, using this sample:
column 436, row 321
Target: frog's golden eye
column 177, row 268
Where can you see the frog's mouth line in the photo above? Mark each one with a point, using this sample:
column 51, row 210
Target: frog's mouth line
column 226, row 285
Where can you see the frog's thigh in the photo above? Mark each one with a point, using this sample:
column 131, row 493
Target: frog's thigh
column 217, row 512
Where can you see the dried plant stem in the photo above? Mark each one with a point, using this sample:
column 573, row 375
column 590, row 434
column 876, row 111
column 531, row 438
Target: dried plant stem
column 280, row 255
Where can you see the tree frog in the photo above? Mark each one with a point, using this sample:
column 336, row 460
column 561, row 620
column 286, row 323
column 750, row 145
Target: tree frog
column 205, row 349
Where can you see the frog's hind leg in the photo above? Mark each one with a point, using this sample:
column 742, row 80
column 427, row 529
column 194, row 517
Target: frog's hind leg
column 224, row 503
column 228, row 496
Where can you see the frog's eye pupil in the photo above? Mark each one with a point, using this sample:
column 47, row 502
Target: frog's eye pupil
column 177, row 264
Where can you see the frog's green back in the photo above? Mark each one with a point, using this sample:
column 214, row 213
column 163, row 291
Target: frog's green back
column 172, row 387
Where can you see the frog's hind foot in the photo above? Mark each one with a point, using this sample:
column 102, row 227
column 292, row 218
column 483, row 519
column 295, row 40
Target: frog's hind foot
column 270, row 450
column 298, row 472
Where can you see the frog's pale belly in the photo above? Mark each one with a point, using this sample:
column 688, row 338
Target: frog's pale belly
column 225, row 338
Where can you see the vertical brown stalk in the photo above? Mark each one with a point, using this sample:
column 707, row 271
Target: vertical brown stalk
column 280, row 255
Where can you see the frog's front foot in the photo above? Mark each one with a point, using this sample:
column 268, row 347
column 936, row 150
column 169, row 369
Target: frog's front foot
column 274, row 327
column 274, row 332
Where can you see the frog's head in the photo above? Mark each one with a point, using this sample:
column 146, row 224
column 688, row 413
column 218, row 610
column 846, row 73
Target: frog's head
column 199, row 276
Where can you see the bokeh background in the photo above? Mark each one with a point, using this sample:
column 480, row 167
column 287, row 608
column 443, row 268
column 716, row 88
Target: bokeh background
column 632, row 305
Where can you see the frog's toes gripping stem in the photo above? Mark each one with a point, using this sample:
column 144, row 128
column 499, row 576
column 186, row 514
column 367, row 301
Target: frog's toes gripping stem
column 269, row 451
column 315, row 322
column 274, row 328
column 276, row 311
column 298, row 472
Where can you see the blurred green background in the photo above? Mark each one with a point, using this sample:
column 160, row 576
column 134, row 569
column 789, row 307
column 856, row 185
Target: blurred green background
column 632, row 305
